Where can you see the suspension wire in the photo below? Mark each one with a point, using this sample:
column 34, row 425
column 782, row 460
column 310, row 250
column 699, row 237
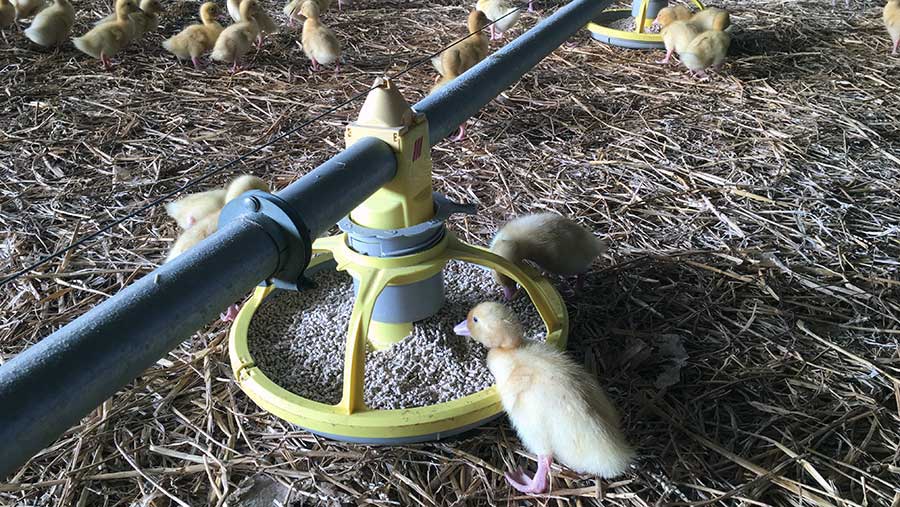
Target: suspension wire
column 209, row 174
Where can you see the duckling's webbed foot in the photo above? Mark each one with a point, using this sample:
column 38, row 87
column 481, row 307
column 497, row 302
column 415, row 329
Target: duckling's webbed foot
column 231, row 313
column 536, row 485
column 531, row 6
column 666, row 59
column 462, row 132
column 196, row 62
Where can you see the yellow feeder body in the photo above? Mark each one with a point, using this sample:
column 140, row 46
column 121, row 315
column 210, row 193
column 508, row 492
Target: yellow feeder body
column 639, row 38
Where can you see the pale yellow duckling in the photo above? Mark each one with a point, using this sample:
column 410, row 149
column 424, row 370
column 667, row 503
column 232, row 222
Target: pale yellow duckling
column 892, row 22
column 107, row 39
column 711, row 18
column 198, row 214
column 320, row 44
column 455, row 60
column 708, row 49
column 551, row 241
column 676, row 33
column 52, row 25
column 504, row 10
column 557, row 408
column 141, row 20
column 192, row 208
column 236, row 41
column 195, row 40
column 27, row 8
column 266, row 24
column 292, row 8
column 7, row 14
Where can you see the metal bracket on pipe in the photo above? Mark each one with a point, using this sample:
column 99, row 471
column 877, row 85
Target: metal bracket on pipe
column 287, row 229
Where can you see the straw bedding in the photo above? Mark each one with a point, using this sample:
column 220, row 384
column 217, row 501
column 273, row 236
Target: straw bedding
column 745, row 322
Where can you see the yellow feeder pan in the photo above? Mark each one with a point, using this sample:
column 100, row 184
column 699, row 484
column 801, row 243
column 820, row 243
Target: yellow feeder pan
column 639, row 38
column 395, row 247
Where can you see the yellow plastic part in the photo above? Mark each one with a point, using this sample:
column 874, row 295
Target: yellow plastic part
column 406, row 200
column 641, row 24
column 350, row 417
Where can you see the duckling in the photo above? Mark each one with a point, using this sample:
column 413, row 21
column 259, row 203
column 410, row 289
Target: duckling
column 676, row 33
column 107, row 39
column 235, row 41
column 27, row 8
column 557, row 408
column 266, row 23
column 711, row 18
column 141, row 20
column 892, row 22
column 461, row 57
column 707, row 50
column 551, row 241
column 7, row 14
column 192, row 208
column 320, row 44
column 195, row 40
column 497, row 9
column 198, row 214
column 292, row 8
column 52, row 25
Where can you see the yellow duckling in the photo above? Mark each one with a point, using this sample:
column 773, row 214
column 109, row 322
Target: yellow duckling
column 292, row 8
column 892, row 22
column 551, row 241
column 557, row 408
column 141, row 20
column 7, row 14
column 711, row 18
column 266, row 23
column 198, row 214
column 52, row 25
column 27, row 8
column 503, row 10
column 708, row 49
column 320, row 44
column 455, row 60
column 107, row 39
column 235, row 41
column 676, row 33
column 195, row 40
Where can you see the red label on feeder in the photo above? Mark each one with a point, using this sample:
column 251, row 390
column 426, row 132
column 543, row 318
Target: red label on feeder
column 417, row 149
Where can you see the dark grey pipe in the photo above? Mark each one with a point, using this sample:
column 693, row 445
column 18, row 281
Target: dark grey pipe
column 53, row 384
column 454, row 103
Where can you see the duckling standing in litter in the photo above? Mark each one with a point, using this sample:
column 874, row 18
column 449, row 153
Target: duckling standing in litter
column 501, row 10
column 707, row 50
column 195, row 40
column 557, row 408
column 320, row 44
column 551, row 241
column 27, row 8
column 264, row 21
column 142, row 20
column 52, row 25
column 677, row 34
column 105, row 40
column 236, row 41
column 292, row 8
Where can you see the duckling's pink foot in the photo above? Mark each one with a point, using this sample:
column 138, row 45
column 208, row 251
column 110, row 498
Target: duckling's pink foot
column 666, row 59
column 536, row 485
column 198, row 66
column 530, row 6
column 314, row 64
column 896, row 46
column 230, row 314
column 235, row 67
column 337, row 67
column 510, row 293
column 462, row 133
column 340, row 6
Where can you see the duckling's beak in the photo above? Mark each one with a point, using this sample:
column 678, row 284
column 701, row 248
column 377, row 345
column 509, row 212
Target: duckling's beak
column 655, row 23
column 462, row 329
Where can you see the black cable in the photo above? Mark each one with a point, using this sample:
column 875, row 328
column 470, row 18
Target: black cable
column 217, row 170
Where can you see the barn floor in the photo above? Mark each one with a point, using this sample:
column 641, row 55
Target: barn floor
column 746, row 320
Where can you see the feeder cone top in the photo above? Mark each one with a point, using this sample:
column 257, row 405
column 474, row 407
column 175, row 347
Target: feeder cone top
column 385, row 107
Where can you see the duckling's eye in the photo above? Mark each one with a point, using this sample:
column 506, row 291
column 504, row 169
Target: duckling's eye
column 474, row 319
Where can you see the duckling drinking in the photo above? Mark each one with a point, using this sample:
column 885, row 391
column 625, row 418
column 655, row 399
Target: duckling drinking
column 557, row 408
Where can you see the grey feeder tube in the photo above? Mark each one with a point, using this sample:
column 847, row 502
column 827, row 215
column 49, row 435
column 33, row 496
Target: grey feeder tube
column 653, row 7
column 50, row 386
column 453, row 104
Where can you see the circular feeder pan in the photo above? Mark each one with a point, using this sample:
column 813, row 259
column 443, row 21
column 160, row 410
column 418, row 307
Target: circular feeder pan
column 631, row 40
column 371, row 426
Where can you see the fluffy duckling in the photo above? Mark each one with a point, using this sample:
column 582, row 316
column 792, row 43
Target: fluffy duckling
column 677, row 34
column 292, row 8
column 497, row 9
column 235, row 41
column 707, row 50
column 198, row 214
column 320, row 44
column 557, row 408
column 457, row 59
column 52, row 25
column 711, row 18
column 892, row 22
column 192, row 208
column 195, row 40
column 107, row 39
column 142, row 20
column 551, row 241
column 7, row 14
column 27, row 8
column 266, row 23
